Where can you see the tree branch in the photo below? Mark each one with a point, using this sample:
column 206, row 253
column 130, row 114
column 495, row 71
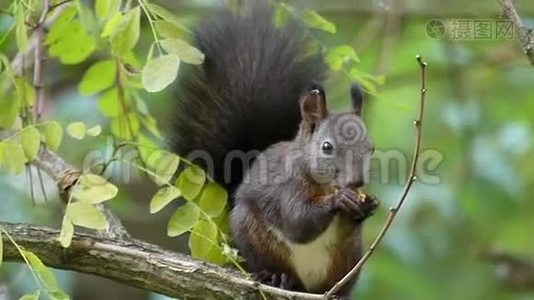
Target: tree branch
column 525, row 34
column 139, row 264
column 23, row 60
column 514, row 271
column 66, row 177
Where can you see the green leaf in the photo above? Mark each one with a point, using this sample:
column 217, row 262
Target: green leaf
column 213, row 199
column 76, row 130
column 60, row 25
column 94, row 189
column 126, row 34
column 25, row 91
column 5, row 66
column 337, row 56
column 53, row 134
column 169, row 29
column 334, row 62
column 362, row 79
column 86, row 215
column 102, row 8
column 74, row 45
column 33, row 296
column 86, row 16
column 58, row 295
column 20, row 31
column 165, row 167
column 223, row 221
column 346, row 51
column 190, row 182
column 98, row 77
column 150, row 124
column 184, row 50
column 377, row 79
column 13, row 157
column 281, row 14
column 148, row 151
column 132, row 64
column 30, row 139
column 163, row 197
column 109, row 103
column 125, row 127
column 105, row 8
column 314, row 20
column 67, row 232
column 159, row 72
column 162, row 12
column 183, row 219
column 202, row 238
column 216, row 256
column 94, row 131
column 111, row 25
column 9, row 110
column 43, row 273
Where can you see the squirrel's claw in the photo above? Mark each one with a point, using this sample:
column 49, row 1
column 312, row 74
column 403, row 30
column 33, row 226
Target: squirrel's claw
column 359, row 208
column 276, row 279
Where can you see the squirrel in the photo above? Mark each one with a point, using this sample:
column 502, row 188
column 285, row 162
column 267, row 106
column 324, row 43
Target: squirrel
column 297, row 213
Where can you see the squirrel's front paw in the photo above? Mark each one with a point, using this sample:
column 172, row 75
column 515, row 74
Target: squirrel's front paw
column 356, row 204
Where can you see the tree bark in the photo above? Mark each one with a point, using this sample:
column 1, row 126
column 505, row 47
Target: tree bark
column 524, row 34
column 139, row 264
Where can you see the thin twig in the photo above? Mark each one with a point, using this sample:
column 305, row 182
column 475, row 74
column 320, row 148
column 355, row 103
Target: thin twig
column 52, row 7
column 409, row 182
column 38, row 60
column 23, row 59
column 46, row 9
column 41, row 183
column 122, row 100
column 526, row 35
column 29, row 172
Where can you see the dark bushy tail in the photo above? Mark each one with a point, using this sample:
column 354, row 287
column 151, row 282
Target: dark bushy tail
column 245, row 95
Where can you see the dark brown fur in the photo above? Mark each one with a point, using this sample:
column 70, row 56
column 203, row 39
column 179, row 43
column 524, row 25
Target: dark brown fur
column 281, row 208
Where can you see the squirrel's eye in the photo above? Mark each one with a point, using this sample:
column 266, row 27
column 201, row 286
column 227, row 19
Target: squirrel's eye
column 327, row 148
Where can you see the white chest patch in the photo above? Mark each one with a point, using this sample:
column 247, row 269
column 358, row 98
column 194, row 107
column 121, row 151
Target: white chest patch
column 311, row 261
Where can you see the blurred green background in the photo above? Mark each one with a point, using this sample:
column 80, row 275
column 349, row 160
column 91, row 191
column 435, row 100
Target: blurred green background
column 466, row 230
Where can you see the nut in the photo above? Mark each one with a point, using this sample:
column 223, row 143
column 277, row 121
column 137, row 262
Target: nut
column 360, row 196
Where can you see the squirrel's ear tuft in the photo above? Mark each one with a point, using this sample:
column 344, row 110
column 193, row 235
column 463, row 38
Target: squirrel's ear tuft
column 356, row 95
column 318, row 87
column 313, row 108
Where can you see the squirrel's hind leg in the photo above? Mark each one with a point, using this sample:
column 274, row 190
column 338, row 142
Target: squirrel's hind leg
column 280, row 280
